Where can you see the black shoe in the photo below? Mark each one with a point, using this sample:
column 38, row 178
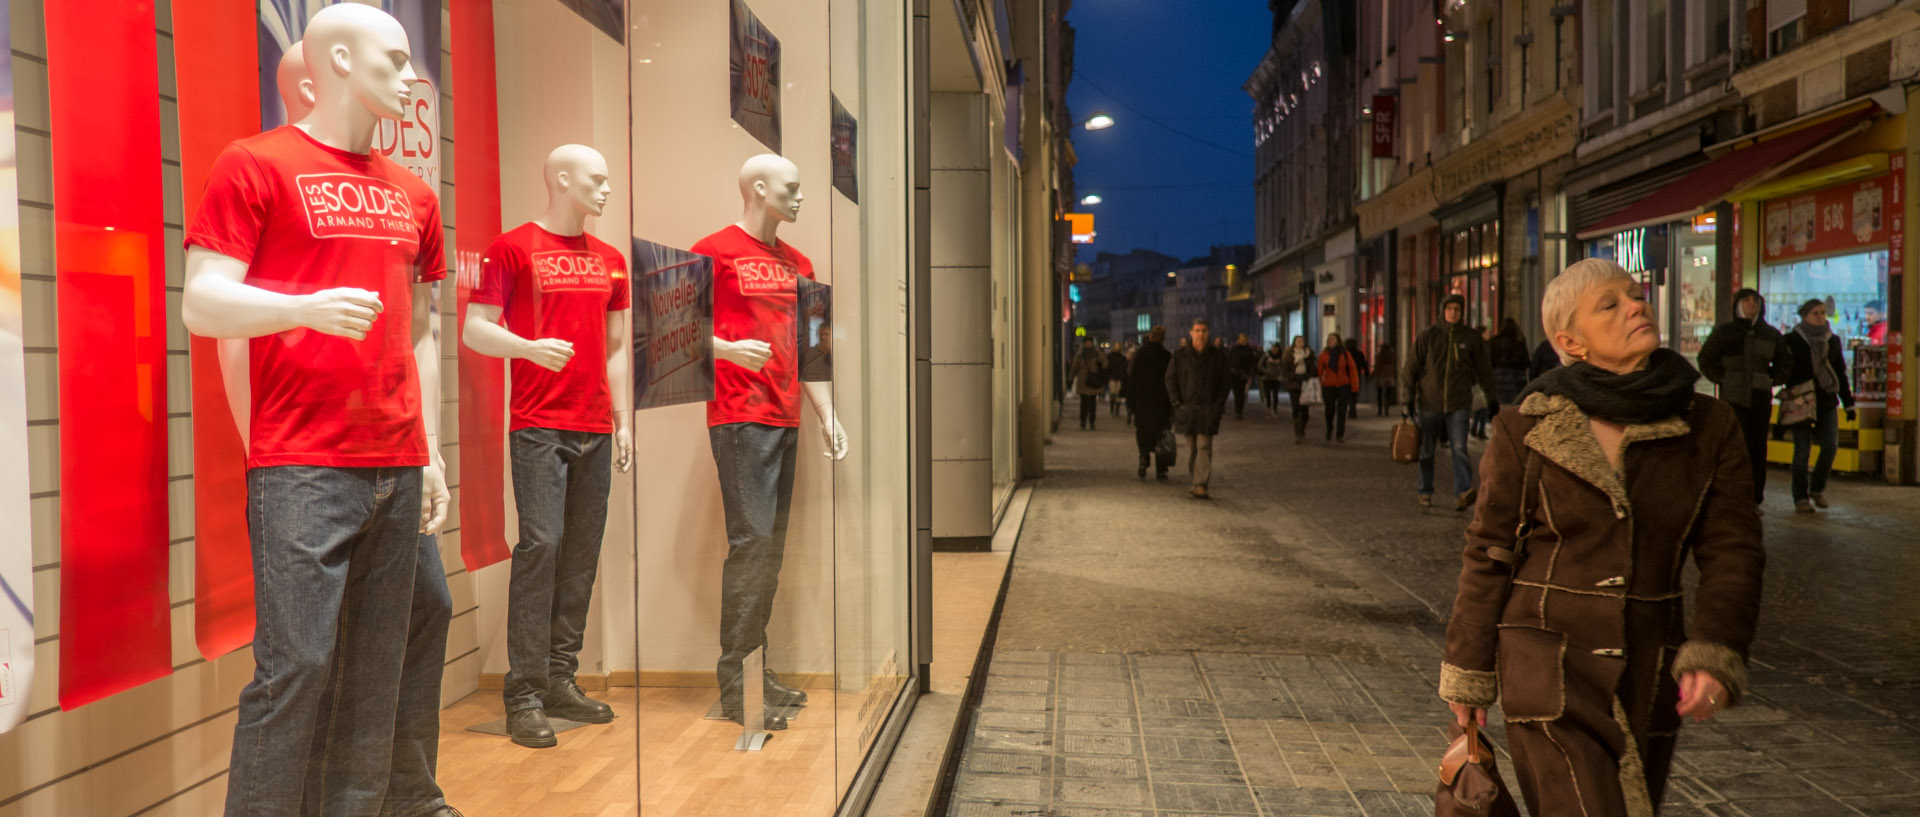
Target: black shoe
column 1143, row 472
column 776, row 722
column 529, row 728
column 1160, row 475
column 779, row 694
column 565, row 700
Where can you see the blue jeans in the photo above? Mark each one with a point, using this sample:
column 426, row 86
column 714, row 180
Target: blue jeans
column 342, row 715
column 756, row 490
column 1824, row 430
column 1453, row 424
column 560, row 484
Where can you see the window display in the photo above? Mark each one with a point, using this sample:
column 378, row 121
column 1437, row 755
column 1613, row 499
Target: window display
column 1855, row 289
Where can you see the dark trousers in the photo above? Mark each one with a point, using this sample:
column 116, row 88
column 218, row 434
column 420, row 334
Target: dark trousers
column 1270, row 396
column 1383, row 395
column 1148, row 441
column 1824, row 431
column 1089, row 409
column 756, row 490
column 1753, row 423
column 1239, row 386
column 342, row 715
column 560, row 484
column 1338, row 399
column 1114, row 400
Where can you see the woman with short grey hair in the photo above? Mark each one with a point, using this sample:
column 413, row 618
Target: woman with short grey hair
column 1570, row 610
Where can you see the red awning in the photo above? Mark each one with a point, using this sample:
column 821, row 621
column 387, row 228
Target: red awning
column 1706, row 185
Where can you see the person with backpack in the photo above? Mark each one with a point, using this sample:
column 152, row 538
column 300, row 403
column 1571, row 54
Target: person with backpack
column 1089, row 378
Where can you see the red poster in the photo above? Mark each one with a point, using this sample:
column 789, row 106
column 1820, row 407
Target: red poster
column 1836, row 219
column 215, row 58
column 104, row 96
column 1385, row 121
column 483, row 393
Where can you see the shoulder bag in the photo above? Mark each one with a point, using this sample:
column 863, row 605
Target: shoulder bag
column 1310, row 392
column 1797, row 404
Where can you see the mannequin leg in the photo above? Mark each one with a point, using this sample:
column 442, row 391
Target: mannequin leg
column 589, row 478
column 541, row 460
column 413, row 790
column 756, row 465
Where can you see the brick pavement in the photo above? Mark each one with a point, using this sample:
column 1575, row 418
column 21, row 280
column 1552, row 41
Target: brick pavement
column 1273, row 652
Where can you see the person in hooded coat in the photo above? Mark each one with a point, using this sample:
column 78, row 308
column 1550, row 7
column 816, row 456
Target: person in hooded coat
column 1748, row 358
column 1147, row 399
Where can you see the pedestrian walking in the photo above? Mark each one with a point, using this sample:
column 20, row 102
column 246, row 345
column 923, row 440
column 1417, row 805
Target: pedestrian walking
column 1300, row 367
column 1197, row 383
column 1116, row 380
column 1816, row 361
column 1089, row 378
column 1365, row 368
column 1511, row 361
column 1339, row 379
column 1545, row 359
column 1147, row 399
column 1244, row 361
column 1273, row 371
column 1482, row 412
column 1448, row 360
column 1748, row 358
column 1386, row 372
column 1570, row 608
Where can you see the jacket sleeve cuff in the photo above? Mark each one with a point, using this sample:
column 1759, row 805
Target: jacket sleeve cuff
column 1722, row 662
column 1469, row 687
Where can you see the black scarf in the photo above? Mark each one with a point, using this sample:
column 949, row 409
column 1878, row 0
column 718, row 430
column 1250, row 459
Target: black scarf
column 1663, row 389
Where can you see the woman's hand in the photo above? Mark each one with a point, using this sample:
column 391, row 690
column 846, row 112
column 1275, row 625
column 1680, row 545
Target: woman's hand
column 1701, row 696
column 1462, row 712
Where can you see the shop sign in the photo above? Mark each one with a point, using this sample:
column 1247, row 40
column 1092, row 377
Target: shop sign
column 753, row 66
column 1641, row 249
column 1082, row 226
column 1897, row 236
column 1540, row 136
column 1836, row 219
column 844, row 143
column 673, row 325
column 1385, row 120
column 1397, row 205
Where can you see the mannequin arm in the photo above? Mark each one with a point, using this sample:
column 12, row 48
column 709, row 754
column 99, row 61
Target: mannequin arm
column 821, row 396
column 236, row 374
column 749, row 354
column 620, row 384
column 218, row 303
column 484, row 333
column 434, row 497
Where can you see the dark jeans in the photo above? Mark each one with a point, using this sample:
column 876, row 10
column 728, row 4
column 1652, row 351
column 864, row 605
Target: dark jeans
column 756, row 490
column 560, row 484
column 342, row 715
column 1753, row 423
column 1270, row 396
column 1114, row 400
column 1824, row 431
column 1383, row 395
column 1339, row 400
column 1089, row 409
column 1239, row 386
column 1148, row 441
column 1453, row 425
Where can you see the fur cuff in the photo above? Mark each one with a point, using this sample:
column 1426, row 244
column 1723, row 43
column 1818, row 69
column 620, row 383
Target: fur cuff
column 1466, row 686
column 1721, row 662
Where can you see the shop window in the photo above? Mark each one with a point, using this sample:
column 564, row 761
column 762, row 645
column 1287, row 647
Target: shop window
column 1600, row 46
column 1786, row 25
column 1709, row 30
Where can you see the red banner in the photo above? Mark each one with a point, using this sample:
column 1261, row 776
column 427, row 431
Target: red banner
column 1835, row 219
column 1385, row 123
column 483, row 393
column 103, row 89
column 215, row 61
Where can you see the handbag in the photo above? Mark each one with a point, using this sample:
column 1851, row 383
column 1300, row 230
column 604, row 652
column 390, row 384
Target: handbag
column 1165, row 451
column 1310, row 392
column 1406, row 441
column 1470, row 784
column 1797, row 404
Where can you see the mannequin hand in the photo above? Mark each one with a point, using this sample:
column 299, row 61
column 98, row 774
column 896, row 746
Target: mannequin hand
column 1701, row 696
column 434, row 499
column 343, row 312
column 836, row 440
column 749, row 354
column 623, row 449
column 551, row 354
column 1462, row 712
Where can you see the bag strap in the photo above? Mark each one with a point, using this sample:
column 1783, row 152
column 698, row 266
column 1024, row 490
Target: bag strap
column 1529, row 485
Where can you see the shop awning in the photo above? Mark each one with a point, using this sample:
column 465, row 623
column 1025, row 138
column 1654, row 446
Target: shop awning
column 1695, row 192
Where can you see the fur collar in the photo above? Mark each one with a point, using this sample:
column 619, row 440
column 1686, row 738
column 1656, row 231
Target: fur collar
column 1564, row 435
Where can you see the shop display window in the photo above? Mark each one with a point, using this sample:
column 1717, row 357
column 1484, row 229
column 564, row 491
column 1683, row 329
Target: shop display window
column 1854, row 287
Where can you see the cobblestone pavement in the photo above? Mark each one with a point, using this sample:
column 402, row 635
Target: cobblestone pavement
column 1275, row 651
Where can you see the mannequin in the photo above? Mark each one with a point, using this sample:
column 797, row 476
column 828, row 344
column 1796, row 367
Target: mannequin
column 753, row 420
column 560, row 291
column 311, row 247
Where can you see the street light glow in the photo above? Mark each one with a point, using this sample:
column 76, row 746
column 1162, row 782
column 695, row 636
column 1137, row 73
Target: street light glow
column 1099, row 121
column 1091, row 198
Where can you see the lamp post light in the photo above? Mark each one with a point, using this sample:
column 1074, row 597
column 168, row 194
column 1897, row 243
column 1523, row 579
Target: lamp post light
column 1091, row 199
column 1098, row 121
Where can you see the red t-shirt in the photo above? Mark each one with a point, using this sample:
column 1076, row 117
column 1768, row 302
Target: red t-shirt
column 754, row 297
column 557, row 286
column 307, row 217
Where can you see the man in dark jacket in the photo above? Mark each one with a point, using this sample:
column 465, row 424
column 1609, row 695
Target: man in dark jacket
column 1197, row 385
column 1447, row 362
column 1244, row 360
column 1147, row 397
column 1748, row 358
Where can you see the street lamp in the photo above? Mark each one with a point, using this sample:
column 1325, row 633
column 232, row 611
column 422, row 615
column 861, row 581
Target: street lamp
column 1099, row 121
column 1091, row 199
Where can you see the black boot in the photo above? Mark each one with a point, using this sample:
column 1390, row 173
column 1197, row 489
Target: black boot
column 529, row 728
column 779, row 694
column 1144, row 456
column 565, row 700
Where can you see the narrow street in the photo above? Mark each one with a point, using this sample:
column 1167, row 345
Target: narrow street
column 1275, row 651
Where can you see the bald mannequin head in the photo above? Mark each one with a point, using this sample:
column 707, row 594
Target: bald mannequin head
column 577, row 178
column 296, row 88
column 358, row 55
column 771, row 184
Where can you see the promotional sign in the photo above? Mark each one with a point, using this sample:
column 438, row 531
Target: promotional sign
column 672, row 326
column 483, row 379
column 110, row 270
column 610, row 16
column 414, row 140
column 1841, row 218
column 214, row 64
column 753, row 63
column 845, row 146
column 814, row 330
column 1385, row 121
column 16, row 538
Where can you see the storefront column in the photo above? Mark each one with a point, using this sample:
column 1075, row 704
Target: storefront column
column 962, row 352
column 1903, row 329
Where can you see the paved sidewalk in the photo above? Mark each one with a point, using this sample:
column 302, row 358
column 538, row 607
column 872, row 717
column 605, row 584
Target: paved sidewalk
column 1274, row 651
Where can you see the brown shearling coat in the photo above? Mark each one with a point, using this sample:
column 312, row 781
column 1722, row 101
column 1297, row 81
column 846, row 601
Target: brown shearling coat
column 1582, row 643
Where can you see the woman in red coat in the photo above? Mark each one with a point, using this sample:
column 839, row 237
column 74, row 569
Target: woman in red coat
column 1339, row 378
